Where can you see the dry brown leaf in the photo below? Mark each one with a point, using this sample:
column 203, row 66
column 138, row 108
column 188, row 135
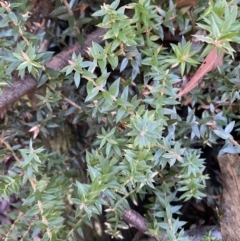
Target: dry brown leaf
column 83, row 7
column 190, row 5
column 211, row 62
column 35, row 130
column 185, row 3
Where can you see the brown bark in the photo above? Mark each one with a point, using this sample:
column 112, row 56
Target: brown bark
column 230, row 220
column 139, row 222
column 135, row 219
column 16, row 90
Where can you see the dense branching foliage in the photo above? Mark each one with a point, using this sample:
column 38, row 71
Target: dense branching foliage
column 114, row 113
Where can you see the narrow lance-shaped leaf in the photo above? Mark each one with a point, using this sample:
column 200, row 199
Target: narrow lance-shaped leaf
column 211, row 62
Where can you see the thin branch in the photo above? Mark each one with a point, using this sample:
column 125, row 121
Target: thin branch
column 2, row 141
column 65, row 98
column 70, row 12
column 21, row 87
column 26, row 232
column 13, row 226
column 235, row 143
column 139, row 222
column 77, row 224
column 135, row 219
column 40, row 206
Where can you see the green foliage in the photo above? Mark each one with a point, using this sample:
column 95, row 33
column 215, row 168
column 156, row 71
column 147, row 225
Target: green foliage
column 182, row 57
column 209, row 237
column 140, row 143
column 220, row 21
